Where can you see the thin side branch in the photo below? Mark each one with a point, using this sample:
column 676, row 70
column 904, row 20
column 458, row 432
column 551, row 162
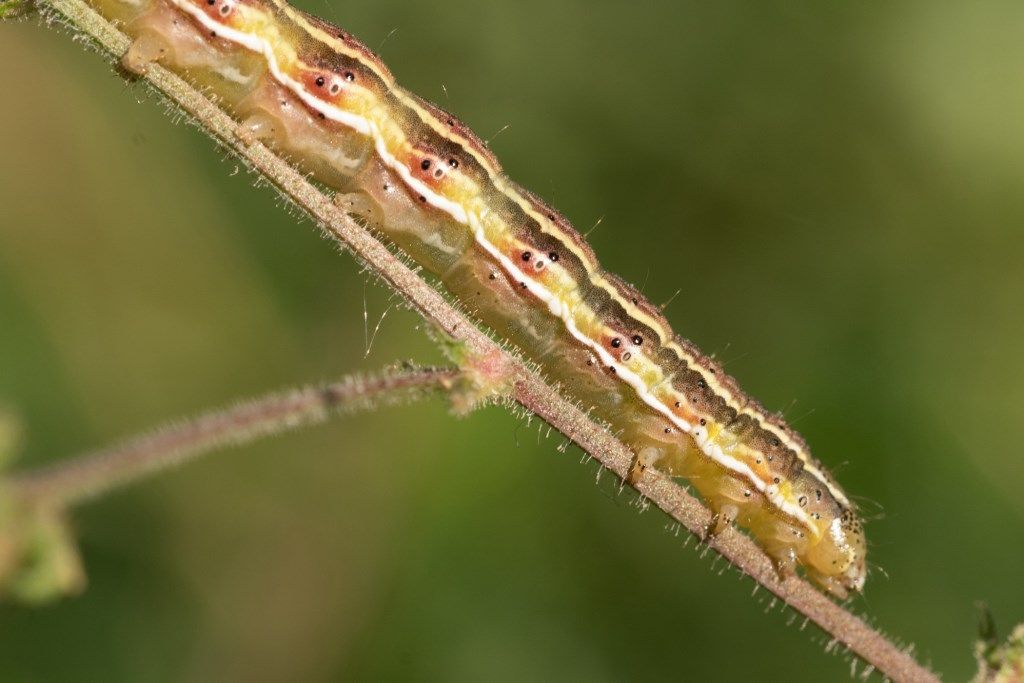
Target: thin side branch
column 87, row 476
column 530, row 389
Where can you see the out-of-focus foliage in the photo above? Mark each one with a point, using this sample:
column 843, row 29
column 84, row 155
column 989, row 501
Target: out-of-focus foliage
column 13, row 9
column 837, row 190
column 38, row 556
column 39, row 560
column 999, row 662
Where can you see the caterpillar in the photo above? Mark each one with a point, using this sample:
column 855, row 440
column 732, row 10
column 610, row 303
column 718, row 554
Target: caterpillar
column 417, row 175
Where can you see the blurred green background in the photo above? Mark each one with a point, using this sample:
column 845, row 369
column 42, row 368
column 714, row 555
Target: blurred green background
column 838, row 191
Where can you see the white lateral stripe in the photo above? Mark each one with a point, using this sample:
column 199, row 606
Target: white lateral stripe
column 357, row 123
column 459, row 214
column 510, row 190
column 712, row 450
column 261, row 46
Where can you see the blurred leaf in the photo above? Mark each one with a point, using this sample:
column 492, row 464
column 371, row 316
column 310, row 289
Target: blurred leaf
column 39, row 559
column 14, row 9
column 987, row 633
column 999, row 663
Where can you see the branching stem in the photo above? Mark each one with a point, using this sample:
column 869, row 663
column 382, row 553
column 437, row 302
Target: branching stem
column 88, row 476
column 529, row 388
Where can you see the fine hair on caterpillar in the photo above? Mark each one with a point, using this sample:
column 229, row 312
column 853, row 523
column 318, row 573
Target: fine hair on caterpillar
column 416, row 175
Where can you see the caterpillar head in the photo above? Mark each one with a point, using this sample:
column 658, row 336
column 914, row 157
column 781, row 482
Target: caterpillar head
column 838, row 563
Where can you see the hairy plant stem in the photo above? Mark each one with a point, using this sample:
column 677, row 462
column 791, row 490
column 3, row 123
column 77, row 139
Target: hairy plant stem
column 528, row 388
column 88, row 476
